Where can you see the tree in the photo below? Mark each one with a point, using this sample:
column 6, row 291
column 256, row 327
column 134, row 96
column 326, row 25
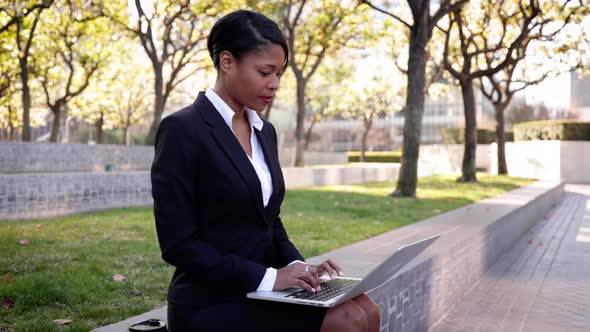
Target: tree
column 8, row 78
column 435, row 78
column 173, row 35
column 372, row 97
column 76, row 45
column 488, row 38
column 8, row 110
column 505, row 84
column 11, row 13
column 24, row 20
column 421, row 29
column 314, row 30
column 519, row 111
column 118, row 96
column 327, row 93
column 499, row 92
column 132, row 108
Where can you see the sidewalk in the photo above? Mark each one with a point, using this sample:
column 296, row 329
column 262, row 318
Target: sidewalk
column 542, row 283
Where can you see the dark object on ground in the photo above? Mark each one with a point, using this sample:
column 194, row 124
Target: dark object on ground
column 149, row 325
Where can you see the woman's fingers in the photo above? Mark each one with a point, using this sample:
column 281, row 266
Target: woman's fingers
column 311, row 276
column 335, row 267
column 328, row 269
column 331, row 268
column 304, row 284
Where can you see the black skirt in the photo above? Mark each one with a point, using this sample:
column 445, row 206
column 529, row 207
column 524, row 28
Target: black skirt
column 248, row 315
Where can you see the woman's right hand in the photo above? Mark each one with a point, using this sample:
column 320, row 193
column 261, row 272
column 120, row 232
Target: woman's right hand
column 298, row 275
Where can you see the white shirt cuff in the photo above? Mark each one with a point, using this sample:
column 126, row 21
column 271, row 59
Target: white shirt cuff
column 268, row 281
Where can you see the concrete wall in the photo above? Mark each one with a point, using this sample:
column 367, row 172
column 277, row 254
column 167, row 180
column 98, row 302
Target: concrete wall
column 286, row 157
column 28, row 196
column 575, row 161
column 42, row 195
column 24, row 157
column 296, row 177
column 552, row 160
column 51, row 186
column 447, row 158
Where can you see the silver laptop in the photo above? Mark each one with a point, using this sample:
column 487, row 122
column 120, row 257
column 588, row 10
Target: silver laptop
column 340, row 289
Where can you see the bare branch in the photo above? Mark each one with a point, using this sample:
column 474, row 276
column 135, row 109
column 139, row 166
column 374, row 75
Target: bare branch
column 388, row 13
column 444, row 9
column 40, row 6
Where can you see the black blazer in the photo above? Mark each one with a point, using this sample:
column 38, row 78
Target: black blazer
column 210, row 219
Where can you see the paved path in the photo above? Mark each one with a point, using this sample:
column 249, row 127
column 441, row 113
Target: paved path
column 542, row 284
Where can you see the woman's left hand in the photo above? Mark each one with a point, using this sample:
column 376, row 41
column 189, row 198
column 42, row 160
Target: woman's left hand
column 329, row 267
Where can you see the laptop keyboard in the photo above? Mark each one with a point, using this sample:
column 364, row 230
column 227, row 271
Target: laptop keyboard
column 330, row 289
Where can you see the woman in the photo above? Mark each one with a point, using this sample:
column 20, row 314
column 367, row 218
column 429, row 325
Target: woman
column 217, row 188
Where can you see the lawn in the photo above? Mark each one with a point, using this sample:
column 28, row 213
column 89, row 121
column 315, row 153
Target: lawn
column 66, row 270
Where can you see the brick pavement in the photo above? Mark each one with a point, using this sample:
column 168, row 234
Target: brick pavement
column 541, row 284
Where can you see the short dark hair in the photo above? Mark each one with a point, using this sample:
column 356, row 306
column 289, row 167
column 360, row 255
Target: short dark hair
column 243, row 32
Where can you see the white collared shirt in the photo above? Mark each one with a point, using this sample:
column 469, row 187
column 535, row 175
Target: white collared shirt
column 258, row 162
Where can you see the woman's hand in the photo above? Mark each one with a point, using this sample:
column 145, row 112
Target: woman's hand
column 329, row 267
column 298, row 275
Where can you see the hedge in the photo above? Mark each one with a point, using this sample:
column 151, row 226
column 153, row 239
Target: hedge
column 456, row 136
column 565, row 130
column 375, row 156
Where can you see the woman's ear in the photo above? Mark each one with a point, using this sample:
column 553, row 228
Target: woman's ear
column 226, row 62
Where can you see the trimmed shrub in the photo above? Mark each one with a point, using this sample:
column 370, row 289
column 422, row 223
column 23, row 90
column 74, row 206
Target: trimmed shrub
column 565, row 130
column 509, row 136
column 456, row 136
column 375, row 156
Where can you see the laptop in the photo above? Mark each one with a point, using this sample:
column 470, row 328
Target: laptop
column 341, row 289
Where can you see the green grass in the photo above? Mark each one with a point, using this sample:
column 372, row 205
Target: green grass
column 66, row 271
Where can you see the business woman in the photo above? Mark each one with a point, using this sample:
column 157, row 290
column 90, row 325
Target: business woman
column 217, row 187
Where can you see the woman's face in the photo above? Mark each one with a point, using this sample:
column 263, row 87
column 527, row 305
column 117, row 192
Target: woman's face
column 254, row 78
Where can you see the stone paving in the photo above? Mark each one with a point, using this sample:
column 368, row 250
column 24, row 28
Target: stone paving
column 541, row 284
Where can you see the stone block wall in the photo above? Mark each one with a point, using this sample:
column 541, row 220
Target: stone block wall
column 43, row 195
column 29, row 196
column 25, row 157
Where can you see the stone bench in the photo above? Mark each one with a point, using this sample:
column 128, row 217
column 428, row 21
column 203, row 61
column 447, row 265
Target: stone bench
column 424, row 291
column 474, row 237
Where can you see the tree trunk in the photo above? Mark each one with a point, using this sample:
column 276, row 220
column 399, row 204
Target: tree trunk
column 56, row 110
column 99, row 131
column 364, row 140
column 468, row 168
column 124, row 135
column 501, row 139
column 408, row 175
column 11, row 133
column 159, row 104
column 299, row 134
column 67, row 130
column 24, row 76
column 308, row 134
